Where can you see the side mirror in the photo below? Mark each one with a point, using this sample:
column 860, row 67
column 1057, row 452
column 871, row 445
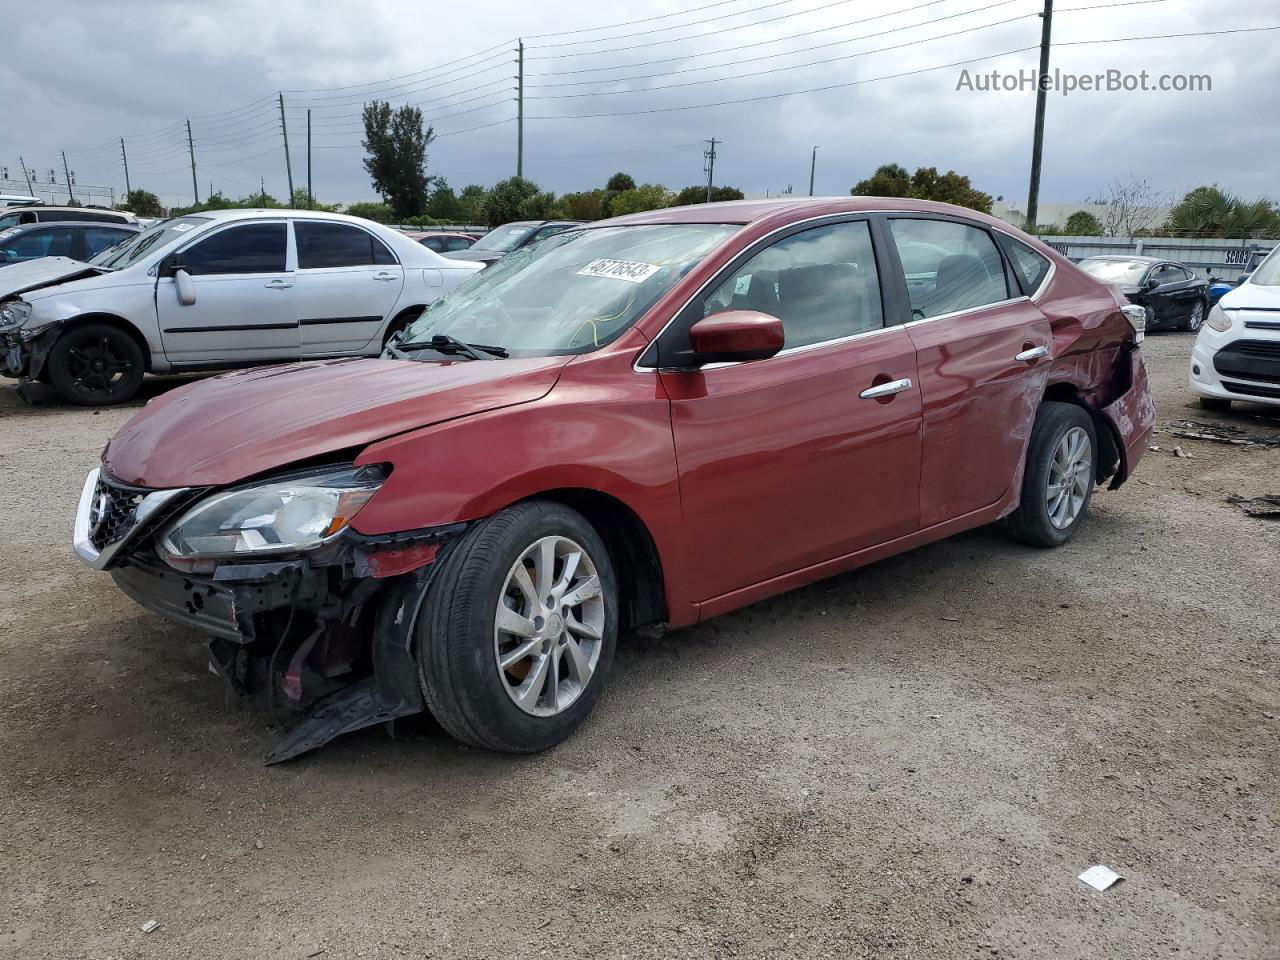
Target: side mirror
column 186, row 289
column 735, row 336
column 1151, row 283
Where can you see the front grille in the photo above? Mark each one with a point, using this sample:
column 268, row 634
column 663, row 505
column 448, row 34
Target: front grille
column 1257, row 360
column 114, row 511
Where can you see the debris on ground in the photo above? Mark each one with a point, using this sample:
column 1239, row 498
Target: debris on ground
column 1219, row 433
column 1100, row 877
column 1181, row 454
column 1267, row 505
column 150, row 925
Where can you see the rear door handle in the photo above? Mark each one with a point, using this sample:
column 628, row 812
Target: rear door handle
column 384, row 276
column 278, row 285
column 1034, row 353
column 886, row 389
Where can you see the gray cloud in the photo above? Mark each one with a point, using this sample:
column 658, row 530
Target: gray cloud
column 85, row 73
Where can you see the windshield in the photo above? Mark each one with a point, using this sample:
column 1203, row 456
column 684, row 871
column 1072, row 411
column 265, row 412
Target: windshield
column 504, row 239
column 569, row 293
column 130, row 251
column 1268, row 272
column 1115, row 271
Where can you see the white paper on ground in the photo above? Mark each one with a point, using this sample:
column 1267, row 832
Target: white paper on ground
column 1100, row 877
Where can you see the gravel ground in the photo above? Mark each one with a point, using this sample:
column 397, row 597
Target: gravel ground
column 915, row 760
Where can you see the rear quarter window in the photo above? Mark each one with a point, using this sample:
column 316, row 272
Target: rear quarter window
column 1029, row 266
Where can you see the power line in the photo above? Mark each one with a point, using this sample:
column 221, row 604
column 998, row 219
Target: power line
column 504, row 44
column 678, row 26
column 628, row 23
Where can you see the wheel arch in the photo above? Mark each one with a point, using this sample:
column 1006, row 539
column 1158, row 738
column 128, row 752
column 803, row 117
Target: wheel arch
column 405, row 314
column 110, row 319
column 631, row 549
column 1108, row 460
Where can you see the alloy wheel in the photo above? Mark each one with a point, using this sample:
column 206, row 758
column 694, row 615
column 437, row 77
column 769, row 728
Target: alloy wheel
column 1196, row 318
column 548, row 626
column 97, row 366
column 1070, row 474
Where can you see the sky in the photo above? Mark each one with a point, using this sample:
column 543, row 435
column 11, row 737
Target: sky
column 78, row 75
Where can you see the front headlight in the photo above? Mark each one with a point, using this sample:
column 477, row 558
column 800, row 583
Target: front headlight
column 13, row 314
column 1218, row 319
column 287, row 515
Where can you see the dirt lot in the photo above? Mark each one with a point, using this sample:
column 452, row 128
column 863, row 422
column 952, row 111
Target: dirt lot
column 915, row 760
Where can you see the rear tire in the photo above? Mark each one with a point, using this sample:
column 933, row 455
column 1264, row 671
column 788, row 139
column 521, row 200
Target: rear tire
column 492, row 604
column 1196, row 317
column 1057, row 484
column 96, row 364
column 1216, row 404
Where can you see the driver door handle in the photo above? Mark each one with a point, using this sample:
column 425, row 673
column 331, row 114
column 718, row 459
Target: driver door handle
column 277, row 285
column 1032, row 354
column 384, row 276
column 886, row 389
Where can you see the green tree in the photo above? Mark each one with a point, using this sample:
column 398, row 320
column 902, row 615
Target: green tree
column 302, row 202
column 892, row 180
column 1208, row 211
column 474, row 201
column 650, row 196
column 371, row 210
column 889, row 180
column 443, row 204
column 508, row 198
column 698, row 194
column 142, row 203
column 1082, row 223
column 619, row 182
column 588, row 205
column 396, row 144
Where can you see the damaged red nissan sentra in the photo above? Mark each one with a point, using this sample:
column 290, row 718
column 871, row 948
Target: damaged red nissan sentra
column 648, row 420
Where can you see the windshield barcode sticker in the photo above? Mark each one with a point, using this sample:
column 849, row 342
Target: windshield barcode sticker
column 628, row 270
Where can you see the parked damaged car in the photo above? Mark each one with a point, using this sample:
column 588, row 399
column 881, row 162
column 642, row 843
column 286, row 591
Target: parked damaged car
column 220, row 289
column 649, row 420
column 1172, row 294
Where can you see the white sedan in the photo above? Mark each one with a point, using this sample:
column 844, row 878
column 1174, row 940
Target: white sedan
column 215, row 290
column 1237, row 352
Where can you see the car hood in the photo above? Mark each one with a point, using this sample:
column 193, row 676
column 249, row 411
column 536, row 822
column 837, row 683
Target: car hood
column 44, row 272
column 479, row 256
column 245, row 423
column 1247, row 296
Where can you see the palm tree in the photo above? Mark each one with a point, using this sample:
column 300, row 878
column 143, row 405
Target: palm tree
column 1210, row 212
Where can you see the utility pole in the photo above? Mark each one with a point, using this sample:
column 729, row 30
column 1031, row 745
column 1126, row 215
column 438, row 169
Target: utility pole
column 813, row 166
column 70, row 196
column 25, row 173
column 710, row 167
column 191, row 146
column 520, row 108
column 311, row 200
column 1037, row 143
column 288, row 167
column 125, row 157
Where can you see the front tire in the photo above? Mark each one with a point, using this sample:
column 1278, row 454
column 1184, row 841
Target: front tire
column 1057, row 484
column 519, row 627
column 96, row 364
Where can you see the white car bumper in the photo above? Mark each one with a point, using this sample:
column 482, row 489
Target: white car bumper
column 1250, row 372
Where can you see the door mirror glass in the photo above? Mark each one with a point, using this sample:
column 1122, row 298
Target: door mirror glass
column 1151, row 284
column 186, row 289
column 736, row 335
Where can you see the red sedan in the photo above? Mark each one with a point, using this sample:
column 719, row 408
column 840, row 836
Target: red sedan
column 648, row 420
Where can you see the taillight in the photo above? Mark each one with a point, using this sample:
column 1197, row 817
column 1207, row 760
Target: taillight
column 1137, row 317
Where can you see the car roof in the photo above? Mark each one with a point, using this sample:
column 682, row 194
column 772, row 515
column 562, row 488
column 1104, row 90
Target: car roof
column 787, row 208
column 45, row 208
column 255, row 213
column 61, row 224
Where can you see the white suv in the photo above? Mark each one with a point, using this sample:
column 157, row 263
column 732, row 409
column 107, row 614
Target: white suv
column 221, row 289
column 1237, row 352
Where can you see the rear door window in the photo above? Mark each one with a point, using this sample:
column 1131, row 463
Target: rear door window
column 251, row 248
column 949, row 266
column 97, row 239
column 822, row 283
column 325, row 245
